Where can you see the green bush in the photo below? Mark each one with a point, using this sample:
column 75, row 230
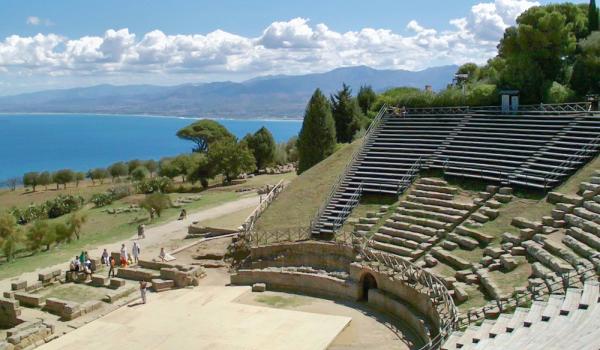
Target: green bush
column 62, row 205
column 558, row 93
column 158, row 184
column 102, row 199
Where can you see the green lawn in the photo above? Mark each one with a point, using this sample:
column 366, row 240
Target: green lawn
column 103, row 228
column 75, row 292
column 298, row 203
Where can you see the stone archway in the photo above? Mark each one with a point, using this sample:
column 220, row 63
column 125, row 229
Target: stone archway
column 367, row 282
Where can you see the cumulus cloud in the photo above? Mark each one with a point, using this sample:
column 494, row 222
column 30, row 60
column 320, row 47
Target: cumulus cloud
column 289, row 47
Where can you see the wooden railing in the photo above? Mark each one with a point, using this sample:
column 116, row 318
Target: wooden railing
column 250, row 221
column 421, row 280
column 523, row 298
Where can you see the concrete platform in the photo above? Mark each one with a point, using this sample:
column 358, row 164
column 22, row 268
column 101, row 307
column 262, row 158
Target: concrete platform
column 203, row 318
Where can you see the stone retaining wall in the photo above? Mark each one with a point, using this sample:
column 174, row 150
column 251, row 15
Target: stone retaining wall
column 137, row 274
column 319, row 255
column 9, row 313
column 312, row 284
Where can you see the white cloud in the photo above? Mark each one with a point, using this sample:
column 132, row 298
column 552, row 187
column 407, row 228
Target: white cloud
column 36, row 21
column 289, row 47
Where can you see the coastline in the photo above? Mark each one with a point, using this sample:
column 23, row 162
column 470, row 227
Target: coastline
column 77, row 114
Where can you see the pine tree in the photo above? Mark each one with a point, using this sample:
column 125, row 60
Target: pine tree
column 593, row 14
column 366, row 97
column 346, row 113
column 317, row 137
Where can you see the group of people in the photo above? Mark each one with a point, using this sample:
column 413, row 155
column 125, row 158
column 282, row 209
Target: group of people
column 82, row 263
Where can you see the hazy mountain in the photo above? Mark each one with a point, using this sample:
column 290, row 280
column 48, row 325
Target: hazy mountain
column 269, row 96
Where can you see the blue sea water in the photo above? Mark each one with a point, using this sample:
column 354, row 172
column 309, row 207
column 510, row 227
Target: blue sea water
column 38, row 142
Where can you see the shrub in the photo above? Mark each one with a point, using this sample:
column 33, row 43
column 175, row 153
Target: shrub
column 102, row 199
column 62, row 205
column 158, row 184
column 157, row 201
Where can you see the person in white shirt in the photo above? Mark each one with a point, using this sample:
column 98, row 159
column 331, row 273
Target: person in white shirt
column 136, row 251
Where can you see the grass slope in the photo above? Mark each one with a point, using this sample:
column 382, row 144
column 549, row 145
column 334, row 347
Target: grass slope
column 298, row 203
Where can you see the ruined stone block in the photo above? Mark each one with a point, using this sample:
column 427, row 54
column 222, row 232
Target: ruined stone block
column 259, row 287
column 117, row 283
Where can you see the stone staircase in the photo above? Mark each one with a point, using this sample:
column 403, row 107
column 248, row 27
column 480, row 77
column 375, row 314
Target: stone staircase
column 426, row 215
column 570, row 321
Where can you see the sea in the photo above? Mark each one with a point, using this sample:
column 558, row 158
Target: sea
column 48, row 142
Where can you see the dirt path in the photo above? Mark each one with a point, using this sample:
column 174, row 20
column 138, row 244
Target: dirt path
column 168, row 235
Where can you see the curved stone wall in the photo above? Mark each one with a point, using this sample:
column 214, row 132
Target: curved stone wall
column 268, row 265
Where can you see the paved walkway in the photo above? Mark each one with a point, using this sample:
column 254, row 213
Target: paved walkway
column 203, row 318
column 156, row 236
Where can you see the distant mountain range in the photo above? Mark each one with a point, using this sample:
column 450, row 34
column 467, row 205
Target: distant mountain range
column 282, row 96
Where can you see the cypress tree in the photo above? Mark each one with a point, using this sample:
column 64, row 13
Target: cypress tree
column 346, row 114
column 317, row 137
column 593, row 19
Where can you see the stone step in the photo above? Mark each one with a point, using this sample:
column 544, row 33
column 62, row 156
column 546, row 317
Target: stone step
column 499, row 326
column 394, row 249
column 450, row 259
column 421, row 221
column 590, row 295
column 582, row 223
column 407, row 235
column 464, row 242
column 437, row 189
column 433, row 181
column 429, row 194
column 535, row 313
column 552, row 308
column 571, row 301
column 381, row 237
column 584, row 237
column 592, row 206
column 586, row 214
column 160, row 285
column 558, row 249
column 539, row 253
column 517, row 320
column 579, row 247
column 370, row 221
column 429, row 215
column 441, row 202
column 479, row 236
column 429, row 231
column 433, row 208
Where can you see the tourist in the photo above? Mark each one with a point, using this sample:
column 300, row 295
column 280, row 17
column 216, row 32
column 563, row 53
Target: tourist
column 123, row 256
column 136, row 251
column 111, row 270
column 141, row 231
column 183, row 214
column 104, row 257
column 74, row 266
column 82, row 258
column 143, row 286
column 162, row 255
column 152, row 213
column 87, row 267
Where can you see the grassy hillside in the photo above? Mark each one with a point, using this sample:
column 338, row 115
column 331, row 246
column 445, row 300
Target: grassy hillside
column 298, row 203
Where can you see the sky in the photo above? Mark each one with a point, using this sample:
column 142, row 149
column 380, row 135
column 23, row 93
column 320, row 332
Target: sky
column 69, row 43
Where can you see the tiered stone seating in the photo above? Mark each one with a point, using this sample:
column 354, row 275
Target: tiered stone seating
column 494, row 147
column 421, row 219
column 563, row 322
column 536, row 151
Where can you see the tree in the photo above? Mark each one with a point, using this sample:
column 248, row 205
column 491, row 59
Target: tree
column 117, row 170
column 262, row 146
column 13, row 182
column 44, row 179
column 183, row 163
column 140, row 173
column 79, row 176
column 63, row 177
column 97, row 174
column 10, row 235
column 31, row 179
column 540, row 48
column 204, row 133
column 132, row 165
column 593, row 17
column 156, row 201
column 586, row 71
column 231, row 158
column 470, row 69
column 291, row 149
column 365, row 98
column 202, row 170
column 317, row 137
column 75, row 222
column 167, row 168
column 36, row 235
column 346, row 114
column 152, row 166
column 61, row 233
